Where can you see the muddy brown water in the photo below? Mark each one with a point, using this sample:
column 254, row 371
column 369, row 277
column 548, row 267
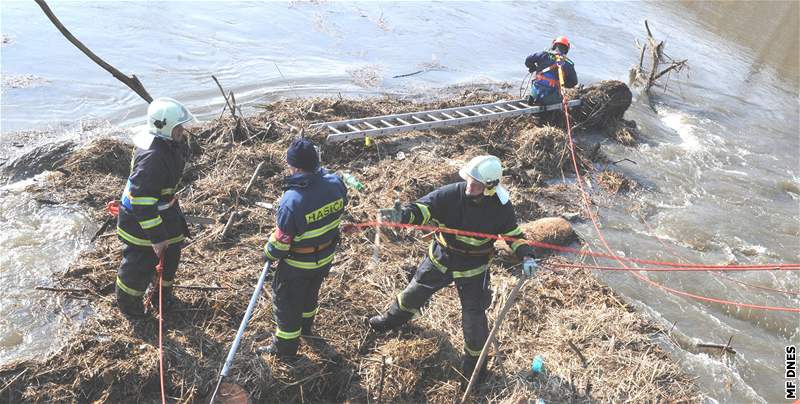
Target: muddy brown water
column 718, row 161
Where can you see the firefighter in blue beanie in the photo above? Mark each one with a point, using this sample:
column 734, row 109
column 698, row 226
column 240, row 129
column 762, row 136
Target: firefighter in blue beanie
column 303, row 244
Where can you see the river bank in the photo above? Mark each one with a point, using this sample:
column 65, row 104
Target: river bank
column 595, row 346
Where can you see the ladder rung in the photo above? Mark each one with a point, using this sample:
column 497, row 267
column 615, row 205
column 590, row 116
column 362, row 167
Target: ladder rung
column 349, row 129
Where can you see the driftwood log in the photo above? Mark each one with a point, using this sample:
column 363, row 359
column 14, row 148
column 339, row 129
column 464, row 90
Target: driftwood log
column 131, row 81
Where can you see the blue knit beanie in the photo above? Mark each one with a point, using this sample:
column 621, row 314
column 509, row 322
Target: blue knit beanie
column 303, row 155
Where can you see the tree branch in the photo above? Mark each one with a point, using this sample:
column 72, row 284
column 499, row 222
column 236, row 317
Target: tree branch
column 230, row 108
column 132, row 82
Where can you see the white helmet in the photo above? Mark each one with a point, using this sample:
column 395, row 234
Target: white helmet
column 164, row 114
column 487, row 170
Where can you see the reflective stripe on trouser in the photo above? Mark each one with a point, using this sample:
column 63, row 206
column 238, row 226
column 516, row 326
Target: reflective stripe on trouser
column 473, row 292
column 137, row 270
column 294, row 305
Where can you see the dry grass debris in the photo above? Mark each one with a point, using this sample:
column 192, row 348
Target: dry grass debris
column 114, row 359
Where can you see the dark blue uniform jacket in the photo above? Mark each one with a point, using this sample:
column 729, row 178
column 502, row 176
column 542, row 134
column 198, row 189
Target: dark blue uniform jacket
column 543, row 64
column 450, row 207
column 148, row 212
column 309, row 215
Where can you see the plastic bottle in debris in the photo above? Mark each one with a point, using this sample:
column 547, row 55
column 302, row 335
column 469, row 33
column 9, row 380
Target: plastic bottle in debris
column 537, row 366
column 352, row 181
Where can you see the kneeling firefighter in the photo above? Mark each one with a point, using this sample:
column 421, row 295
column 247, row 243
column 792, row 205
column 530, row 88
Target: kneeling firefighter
column 150, row 221
column 480, row 204
column 303, row 244
column 546, row 86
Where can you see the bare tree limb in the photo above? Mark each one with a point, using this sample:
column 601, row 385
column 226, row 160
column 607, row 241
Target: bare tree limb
column 227, row 102
column 676, row 65
column 648, row 79
column 132, row 82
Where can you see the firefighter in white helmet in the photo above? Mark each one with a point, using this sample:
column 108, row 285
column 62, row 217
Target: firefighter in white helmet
column 478, row 204
column 150, row 220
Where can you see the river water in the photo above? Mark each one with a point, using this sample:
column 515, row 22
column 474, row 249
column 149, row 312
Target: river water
column 718, row 161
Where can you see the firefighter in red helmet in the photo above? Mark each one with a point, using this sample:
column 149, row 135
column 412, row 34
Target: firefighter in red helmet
column 546, row 87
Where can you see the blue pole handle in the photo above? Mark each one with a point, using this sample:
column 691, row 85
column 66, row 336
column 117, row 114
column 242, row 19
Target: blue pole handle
column 245, row 320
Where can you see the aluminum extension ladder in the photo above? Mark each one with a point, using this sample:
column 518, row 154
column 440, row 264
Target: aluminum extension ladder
column 378, row 126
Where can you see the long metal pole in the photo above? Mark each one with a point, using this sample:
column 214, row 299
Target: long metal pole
column 497, row 323
column 242, row 326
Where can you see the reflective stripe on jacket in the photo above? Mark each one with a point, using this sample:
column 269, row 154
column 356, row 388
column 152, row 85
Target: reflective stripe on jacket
column 148, row 213
column 450, row 207
column 308, row 220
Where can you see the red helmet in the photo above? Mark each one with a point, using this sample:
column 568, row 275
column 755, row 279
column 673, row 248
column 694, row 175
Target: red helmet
column 561, row 40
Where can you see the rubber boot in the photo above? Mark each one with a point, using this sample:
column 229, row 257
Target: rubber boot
column 131, row 306
column 268, row 349
column 468, row 366
column 279, row 348
column 392, row 319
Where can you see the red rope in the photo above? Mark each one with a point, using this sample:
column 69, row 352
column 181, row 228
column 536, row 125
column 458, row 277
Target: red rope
column 160, row 270
column 679, row 256
column 671, row 266
column 112, row 207
column 650, row 269
column 756, row 267
column 587, row 207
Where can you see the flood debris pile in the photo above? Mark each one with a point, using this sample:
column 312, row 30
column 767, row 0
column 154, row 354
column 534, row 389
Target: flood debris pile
column 603, row 106
column 113, row 359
